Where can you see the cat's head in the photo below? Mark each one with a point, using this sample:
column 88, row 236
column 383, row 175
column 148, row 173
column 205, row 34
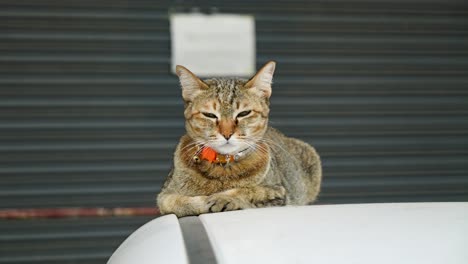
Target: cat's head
column 226, row 114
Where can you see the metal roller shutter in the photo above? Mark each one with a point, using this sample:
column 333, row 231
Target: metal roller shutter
column 90, row 114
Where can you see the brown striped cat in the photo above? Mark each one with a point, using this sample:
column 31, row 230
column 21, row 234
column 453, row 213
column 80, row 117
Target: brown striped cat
column 230, row 158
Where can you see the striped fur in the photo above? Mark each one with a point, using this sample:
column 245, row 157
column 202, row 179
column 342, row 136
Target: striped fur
column 230, row 115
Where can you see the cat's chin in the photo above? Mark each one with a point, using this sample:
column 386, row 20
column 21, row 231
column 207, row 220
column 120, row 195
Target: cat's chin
column 227, row 149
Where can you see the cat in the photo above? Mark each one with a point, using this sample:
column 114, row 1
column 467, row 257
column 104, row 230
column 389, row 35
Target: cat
column 229, row 158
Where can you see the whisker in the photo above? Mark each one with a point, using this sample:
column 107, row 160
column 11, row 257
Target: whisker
column 188, row 146
column 255, row 147
column 193, row 144
column 269, row 141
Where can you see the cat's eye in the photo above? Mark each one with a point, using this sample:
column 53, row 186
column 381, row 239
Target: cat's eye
column 210, row 115
column 244, row 113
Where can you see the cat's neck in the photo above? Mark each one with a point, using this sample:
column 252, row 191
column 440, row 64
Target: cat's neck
column 245, row 163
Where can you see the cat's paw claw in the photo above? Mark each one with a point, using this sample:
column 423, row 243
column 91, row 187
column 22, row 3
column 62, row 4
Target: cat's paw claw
column 275, row 197
column 223, row 204
column 278, row 201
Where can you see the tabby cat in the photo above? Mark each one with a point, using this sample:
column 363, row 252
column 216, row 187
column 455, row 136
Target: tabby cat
column 230, row 158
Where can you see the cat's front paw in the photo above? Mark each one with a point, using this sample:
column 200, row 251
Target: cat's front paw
column 223, row 203
column 276, row 196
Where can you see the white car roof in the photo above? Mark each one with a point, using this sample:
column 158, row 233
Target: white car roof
column 359, row 233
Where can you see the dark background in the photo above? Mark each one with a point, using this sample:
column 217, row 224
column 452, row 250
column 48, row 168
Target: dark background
column 90, row 113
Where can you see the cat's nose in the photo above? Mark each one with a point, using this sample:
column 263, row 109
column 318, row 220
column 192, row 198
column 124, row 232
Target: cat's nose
column 227, row 136
column 226, row 128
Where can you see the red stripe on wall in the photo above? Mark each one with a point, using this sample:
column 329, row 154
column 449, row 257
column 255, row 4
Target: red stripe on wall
column 76, row 212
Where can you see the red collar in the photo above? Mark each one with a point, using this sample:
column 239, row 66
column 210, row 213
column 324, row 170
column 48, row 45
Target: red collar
column 210, row 155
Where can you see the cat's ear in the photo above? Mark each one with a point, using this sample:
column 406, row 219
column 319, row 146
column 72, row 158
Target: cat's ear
column 191, row 84
column 261, row 82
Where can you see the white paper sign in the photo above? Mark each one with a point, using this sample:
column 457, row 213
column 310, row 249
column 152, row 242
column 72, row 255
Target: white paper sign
column 214, row 45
